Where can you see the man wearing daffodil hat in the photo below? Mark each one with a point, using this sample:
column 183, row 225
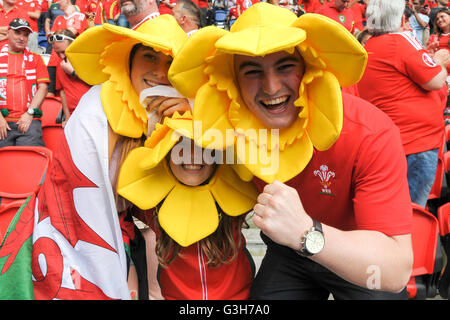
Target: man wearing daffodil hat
column 334, row 208
column 78, row 231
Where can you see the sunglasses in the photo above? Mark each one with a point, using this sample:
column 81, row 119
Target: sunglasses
column 59, row 37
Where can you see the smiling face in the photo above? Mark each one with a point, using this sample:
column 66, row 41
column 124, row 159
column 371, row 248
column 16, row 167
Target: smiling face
column 269, row 86
column 149, row 68
column 443, row 21
column 186, row 168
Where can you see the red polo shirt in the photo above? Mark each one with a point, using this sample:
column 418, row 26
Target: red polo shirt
column 30, row 6
column 345, row 17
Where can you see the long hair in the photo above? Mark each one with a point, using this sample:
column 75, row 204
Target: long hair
column 436, row 29
column 220, row 248
column 384, row 16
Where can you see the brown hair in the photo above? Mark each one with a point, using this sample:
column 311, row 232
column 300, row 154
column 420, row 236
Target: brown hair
column 436, row 29
column 219, row 248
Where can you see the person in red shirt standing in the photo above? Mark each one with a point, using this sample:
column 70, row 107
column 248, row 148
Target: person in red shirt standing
column 72, row 20
column 339, row 11
column 403, row 80
column 95, row 13
column 311, row 6
column 359, row 11
column 112, row 11
column 23, row 87
column 70, row 87
column 8, row 13
column 33, row 10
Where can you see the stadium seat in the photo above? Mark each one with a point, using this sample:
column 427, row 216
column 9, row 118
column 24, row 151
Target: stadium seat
column 23, row 172
column 444, row 230
column 51, row 122
column 425, row 273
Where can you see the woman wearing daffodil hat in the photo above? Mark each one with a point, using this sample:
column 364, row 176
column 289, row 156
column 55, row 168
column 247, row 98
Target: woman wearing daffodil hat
column 334, row 202
column 198, row 208
column 79, row 194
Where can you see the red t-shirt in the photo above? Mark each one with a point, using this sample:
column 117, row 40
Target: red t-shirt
column 396, row 69
column 163, row 9
column 344, row 17
column 82, row 5
column 359, row 15
column 245, row 4
column 360, row 182
column 111, row 8
column 7, row 17
column 189, row 277
column 74, row 88
column 17, row 89
column 30, row 6
column 311, row 5
column 76, row 20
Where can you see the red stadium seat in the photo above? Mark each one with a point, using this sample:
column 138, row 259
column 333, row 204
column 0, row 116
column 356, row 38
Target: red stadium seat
column 23, row 172
column 444, row 230
column 436, row 189
column 446, row 161
column 424, row 241
column 51, row 122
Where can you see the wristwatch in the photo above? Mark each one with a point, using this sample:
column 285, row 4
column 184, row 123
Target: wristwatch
column 313, row 240
column 30, row 111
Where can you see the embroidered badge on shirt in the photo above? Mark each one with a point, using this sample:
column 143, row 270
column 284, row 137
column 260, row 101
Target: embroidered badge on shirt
column 325, row 175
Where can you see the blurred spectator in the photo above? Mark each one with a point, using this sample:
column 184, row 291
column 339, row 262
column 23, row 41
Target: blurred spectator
column 8, row 13
column 33, row 10
column 406, row 83
column 72, row 20
column 70, row 87
column 339, row 11
column 362, row 36
column 23, row 87
column 94, row 13
column 203, row 5
column 419, row 21
column 138, row 11
column 54, row 11
column 232, row 16
column 310, row 6
column 112, row 11
column 433, row 11
column 441, row 35
column 359, row 12
column 188, row 16
column 242, row 5
column 166, row 6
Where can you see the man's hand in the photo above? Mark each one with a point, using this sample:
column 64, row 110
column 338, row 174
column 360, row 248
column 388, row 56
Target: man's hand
column 24, row 122
column 167, row 106
column 4, row 128
column 280, row 215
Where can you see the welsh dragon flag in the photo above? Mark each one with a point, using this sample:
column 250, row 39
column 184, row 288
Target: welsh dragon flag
column 67, row 242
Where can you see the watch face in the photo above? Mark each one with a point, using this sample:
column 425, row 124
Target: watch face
column 314, row 242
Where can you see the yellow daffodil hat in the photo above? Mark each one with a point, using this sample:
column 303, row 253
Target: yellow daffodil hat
column 187, row 214
column 101, row 55
column 204, row 70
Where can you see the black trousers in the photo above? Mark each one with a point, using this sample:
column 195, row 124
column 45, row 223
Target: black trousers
column 284, row 275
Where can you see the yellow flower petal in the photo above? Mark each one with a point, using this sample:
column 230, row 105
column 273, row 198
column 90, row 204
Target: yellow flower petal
column 271, row 166
column 144, row 188
column 326, row 114
column 210, row 112
column 188, row 214
column 226, row 186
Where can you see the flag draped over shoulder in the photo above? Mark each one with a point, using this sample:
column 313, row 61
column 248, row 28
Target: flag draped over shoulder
column 15, row 256
column 72, row 226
